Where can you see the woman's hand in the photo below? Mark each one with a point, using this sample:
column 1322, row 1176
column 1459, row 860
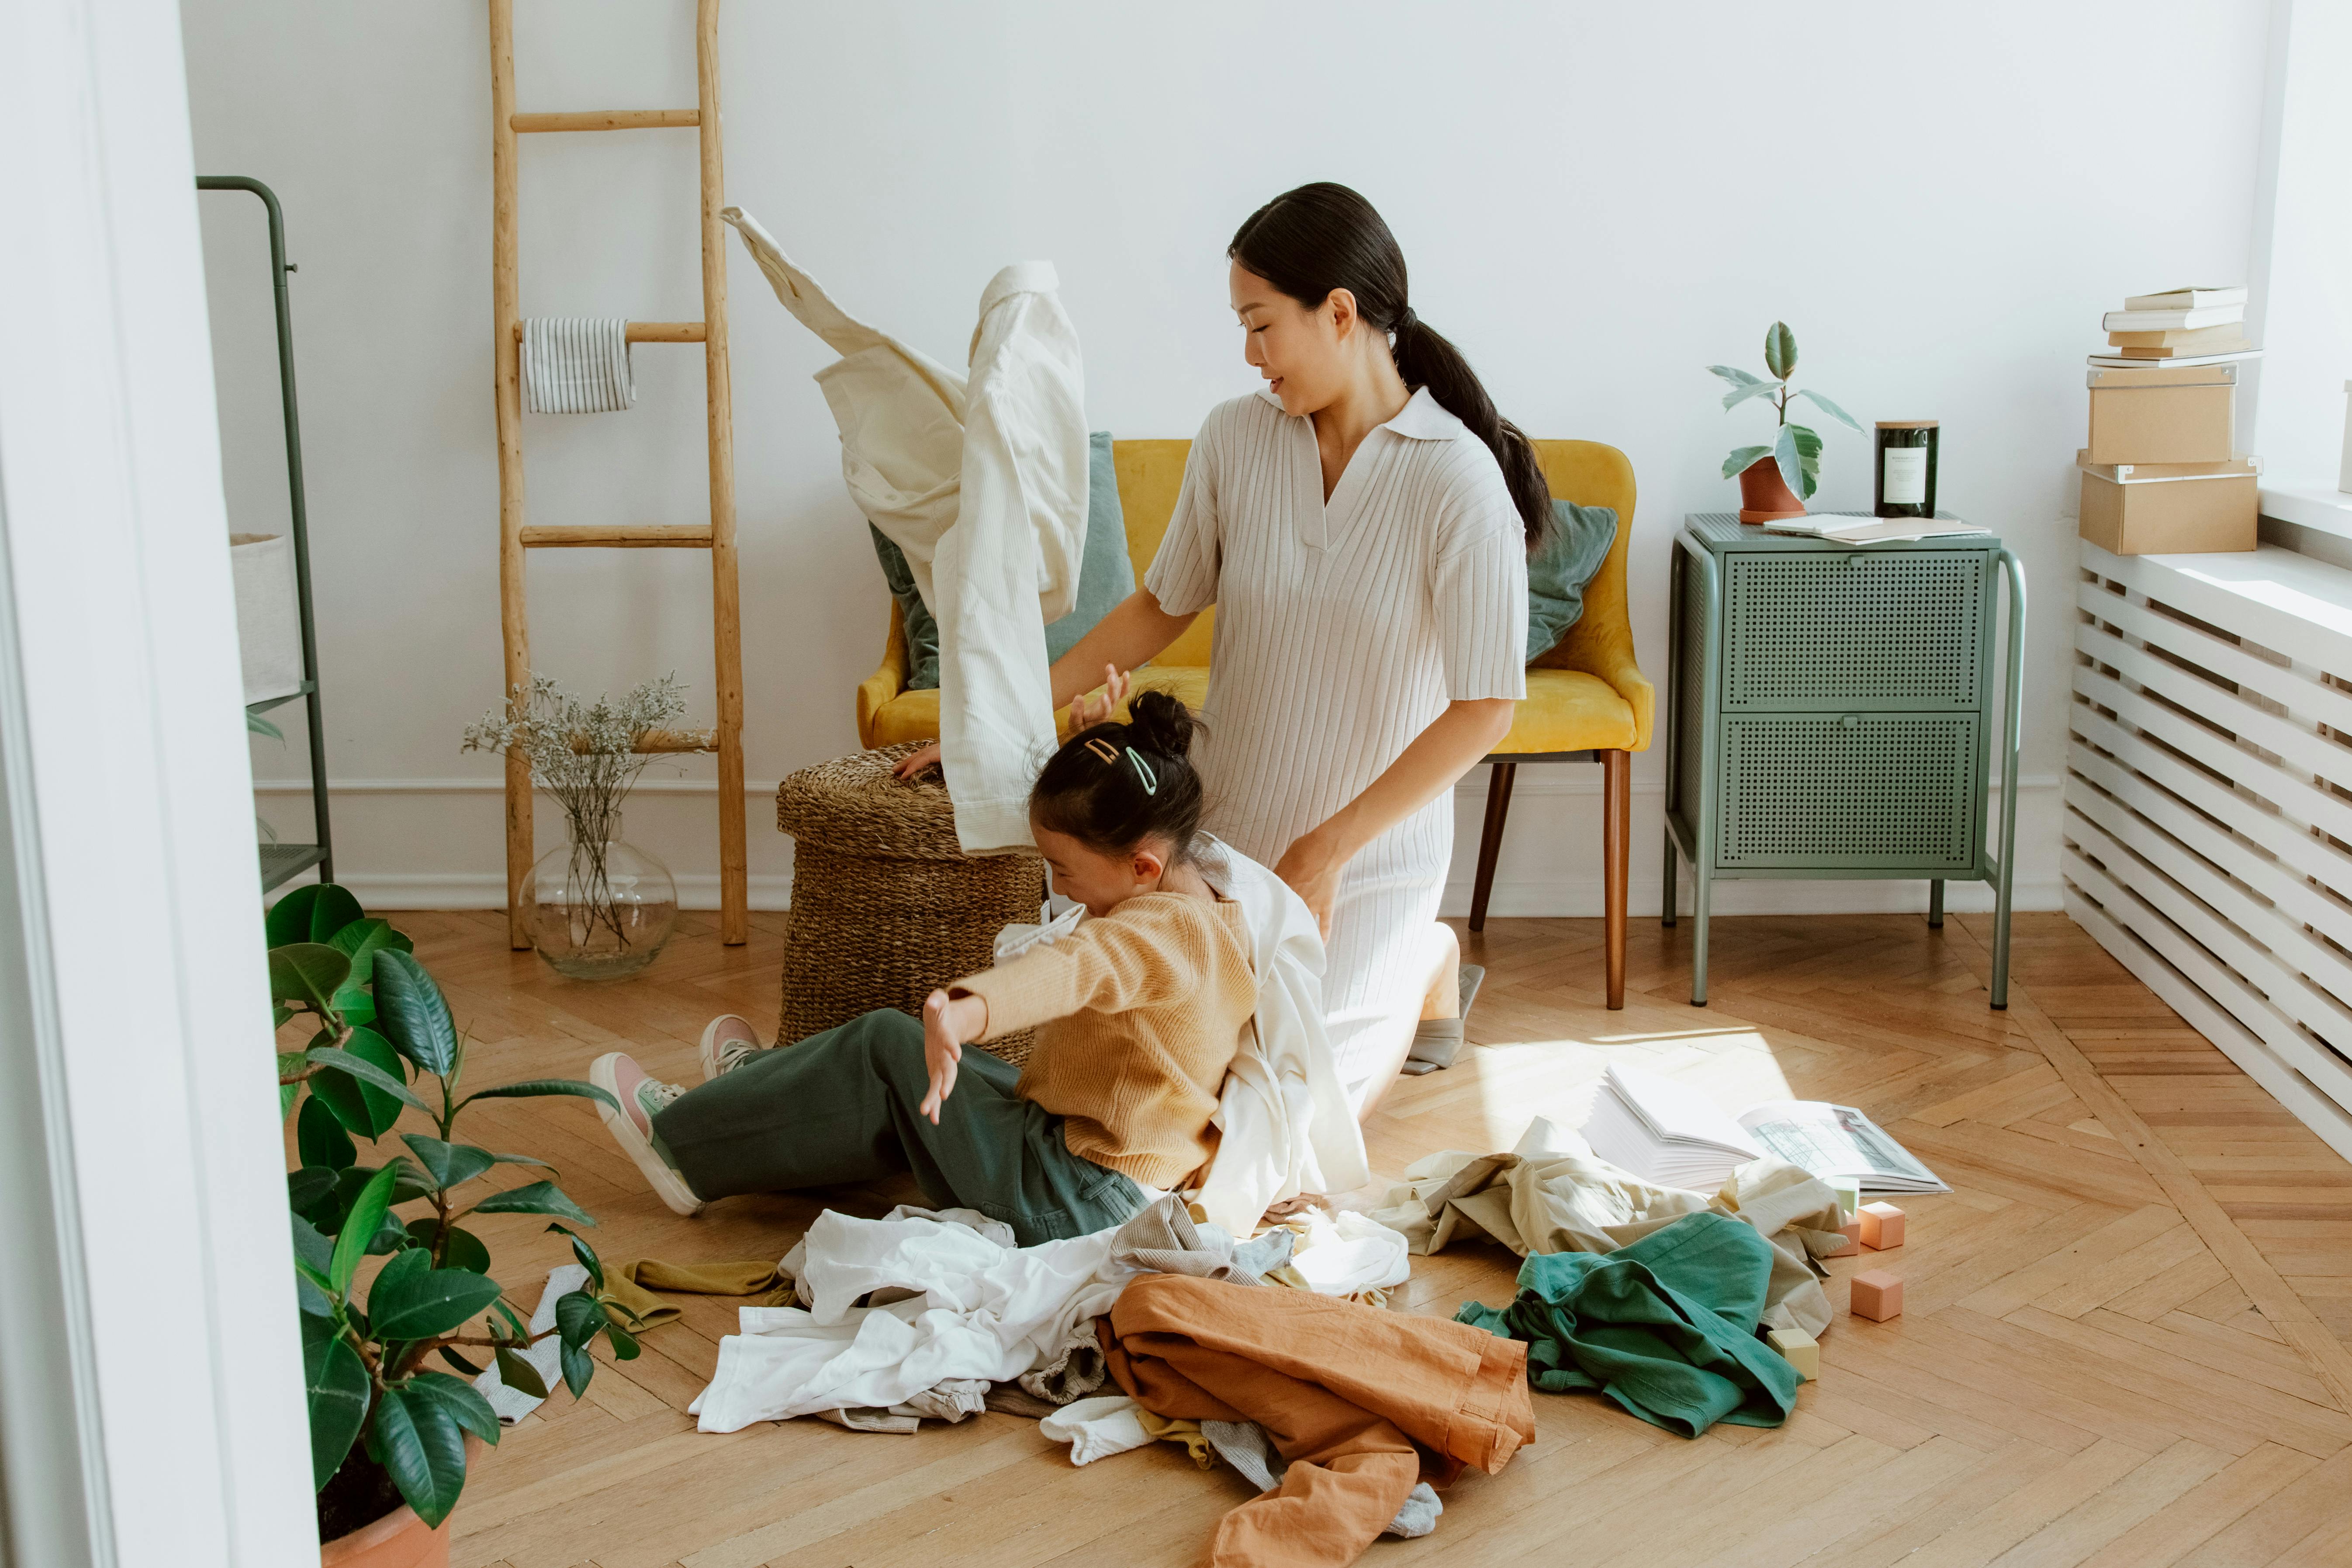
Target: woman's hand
column 1087, row 711
column 942, row 1048
column 928, row 757
column 1312, row 866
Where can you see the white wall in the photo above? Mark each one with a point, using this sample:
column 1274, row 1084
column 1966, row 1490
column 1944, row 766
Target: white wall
column 2303, row 248
column 1597, row 200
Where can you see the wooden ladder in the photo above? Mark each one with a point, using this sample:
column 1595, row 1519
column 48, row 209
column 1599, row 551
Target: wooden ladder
column 718, row 535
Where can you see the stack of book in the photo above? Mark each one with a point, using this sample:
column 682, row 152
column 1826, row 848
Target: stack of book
column 1666, row 1132
column 2162, row 474
column 2179, row 326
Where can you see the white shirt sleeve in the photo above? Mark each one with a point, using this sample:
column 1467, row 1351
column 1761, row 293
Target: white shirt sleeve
column 1480, row 593
column 1183, row 573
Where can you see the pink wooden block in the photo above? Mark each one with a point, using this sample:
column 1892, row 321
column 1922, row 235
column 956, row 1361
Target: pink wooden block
column 1882, row 1225
column 1877, row 1295
column 1853, row 1243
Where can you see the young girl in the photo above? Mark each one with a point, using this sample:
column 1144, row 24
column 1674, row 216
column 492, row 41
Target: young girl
column 1139, row 1014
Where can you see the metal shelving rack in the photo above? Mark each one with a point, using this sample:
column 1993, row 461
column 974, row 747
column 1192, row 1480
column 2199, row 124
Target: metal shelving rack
column 282, row 862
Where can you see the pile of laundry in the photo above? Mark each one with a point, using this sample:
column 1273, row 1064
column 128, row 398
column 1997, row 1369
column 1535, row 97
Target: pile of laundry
column 1652, row 1296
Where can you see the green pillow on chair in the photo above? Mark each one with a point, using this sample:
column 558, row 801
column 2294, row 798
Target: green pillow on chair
column 1104, row 575
column 1557, row 575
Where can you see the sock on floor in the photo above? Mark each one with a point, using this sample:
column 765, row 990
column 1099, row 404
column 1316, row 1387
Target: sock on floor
column 1436, row 1041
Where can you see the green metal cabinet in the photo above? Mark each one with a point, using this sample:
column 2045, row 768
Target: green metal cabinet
column 1829, row 714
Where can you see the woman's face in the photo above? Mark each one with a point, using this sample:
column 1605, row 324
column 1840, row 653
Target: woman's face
column 1303, row 351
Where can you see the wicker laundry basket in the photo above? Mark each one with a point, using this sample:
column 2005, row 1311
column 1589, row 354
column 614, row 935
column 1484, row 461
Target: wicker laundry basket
column 886, row 906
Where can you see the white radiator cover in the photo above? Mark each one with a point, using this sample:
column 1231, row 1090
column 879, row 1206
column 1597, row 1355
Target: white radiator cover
column 2208, row 828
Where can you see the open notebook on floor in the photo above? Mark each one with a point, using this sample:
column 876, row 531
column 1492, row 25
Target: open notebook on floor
column 1670, row 1133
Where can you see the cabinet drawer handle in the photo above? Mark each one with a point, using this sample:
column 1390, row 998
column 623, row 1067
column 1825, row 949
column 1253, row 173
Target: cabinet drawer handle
column 1851, row 722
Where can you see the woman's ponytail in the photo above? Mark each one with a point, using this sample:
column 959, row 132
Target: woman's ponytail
column 1323, row 237
column 1425, row 358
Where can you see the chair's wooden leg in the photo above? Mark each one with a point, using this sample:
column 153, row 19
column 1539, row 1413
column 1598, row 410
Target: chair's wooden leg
column 1490, row 839
column 1616, row 850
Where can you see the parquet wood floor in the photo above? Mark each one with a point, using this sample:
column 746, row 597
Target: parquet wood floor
column 2124, row 1345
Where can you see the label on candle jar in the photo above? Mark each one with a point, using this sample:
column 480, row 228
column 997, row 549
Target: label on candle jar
column 1906, row 475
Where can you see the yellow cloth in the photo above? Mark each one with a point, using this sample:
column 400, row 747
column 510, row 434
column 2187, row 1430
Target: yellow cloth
column 1160, row 1428
column 1138, row 1012
column 631, row 1285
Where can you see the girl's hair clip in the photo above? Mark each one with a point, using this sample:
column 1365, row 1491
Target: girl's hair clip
column 1143, row 771
column 1103, row 749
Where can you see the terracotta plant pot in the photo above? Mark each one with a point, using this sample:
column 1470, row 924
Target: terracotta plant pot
column 398, row 1540
column 1764, row 495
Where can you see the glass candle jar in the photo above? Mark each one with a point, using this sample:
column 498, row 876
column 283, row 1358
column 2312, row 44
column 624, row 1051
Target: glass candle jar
column 1906, row 468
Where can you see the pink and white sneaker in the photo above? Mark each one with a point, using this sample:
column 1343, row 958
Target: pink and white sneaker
column 632, row 1126
column 728, row 1042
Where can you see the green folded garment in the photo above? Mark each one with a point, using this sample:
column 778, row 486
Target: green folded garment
column 1665, row 1327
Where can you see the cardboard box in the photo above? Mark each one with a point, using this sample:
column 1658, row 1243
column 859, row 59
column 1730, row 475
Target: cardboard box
column 2164, row 414
column 2170, row 509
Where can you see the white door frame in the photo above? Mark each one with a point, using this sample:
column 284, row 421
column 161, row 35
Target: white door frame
column 150, row 1401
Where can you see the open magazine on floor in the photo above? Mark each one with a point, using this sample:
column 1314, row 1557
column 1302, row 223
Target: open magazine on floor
column 1669, row 1132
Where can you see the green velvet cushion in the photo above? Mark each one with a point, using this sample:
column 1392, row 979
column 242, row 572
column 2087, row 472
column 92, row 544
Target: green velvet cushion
column 1581, row 539
column 1104, row 575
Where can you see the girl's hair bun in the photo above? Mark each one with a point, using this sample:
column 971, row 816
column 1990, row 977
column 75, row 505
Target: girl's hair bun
column 1160, row 724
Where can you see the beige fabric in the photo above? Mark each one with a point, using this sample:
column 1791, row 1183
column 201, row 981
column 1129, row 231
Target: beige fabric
column 1552, row 1193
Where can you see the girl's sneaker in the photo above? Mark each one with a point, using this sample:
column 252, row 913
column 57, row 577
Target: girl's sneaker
column 728, row 1042
column 632, row 1126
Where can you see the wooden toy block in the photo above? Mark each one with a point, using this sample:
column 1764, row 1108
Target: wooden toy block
column 1882, row 1225
column 1849, row 1194
column 1799, row 1349
column 1853, row 1243
column 1877, row 1295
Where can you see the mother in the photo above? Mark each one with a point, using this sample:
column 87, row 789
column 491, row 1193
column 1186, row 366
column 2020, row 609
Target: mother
column 1363, row 525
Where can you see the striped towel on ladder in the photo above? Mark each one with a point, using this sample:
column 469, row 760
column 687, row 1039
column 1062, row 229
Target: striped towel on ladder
column 577, row 364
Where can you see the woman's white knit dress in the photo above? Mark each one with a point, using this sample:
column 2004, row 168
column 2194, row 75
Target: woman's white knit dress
column 1343, row 630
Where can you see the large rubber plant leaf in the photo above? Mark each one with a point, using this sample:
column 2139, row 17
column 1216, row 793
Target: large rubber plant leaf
column 1808, row 457
column 314, row 1256
column 363, row 1086
column 448, row 1165
column 410, row 1010
column 314, row 912
column 535, row 1197
column 306, row 972
column 1832, row 409
column 578, row 1318
column 1736, row 376
column 1780, row 350
column 367, row 1214
column 320, row 1137
column 418, row 1440
column 411, row 1299
column 468, row 1409
column 1792, row 466
column 535, row 1088
column 1742, row 458
column 337, row 1383
column 521, row 1375
column 464, row 1250
column 1740, row 394
column 579, row 1366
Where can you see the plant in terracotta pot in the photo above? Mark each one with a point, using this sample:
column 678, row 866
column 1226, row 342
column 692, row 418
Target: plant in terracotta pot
column 1776, row 481
column 390, row 1429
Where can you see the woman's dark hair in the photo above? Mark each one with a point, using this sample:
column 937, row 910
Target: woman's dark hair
column 1114, row 785
column 1323, row 237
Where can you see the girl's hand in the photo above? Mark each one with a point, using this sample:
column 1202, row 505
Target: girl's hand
column 928, row 757
column 1087, row 711
column 941, row 1051
column 1312, row 869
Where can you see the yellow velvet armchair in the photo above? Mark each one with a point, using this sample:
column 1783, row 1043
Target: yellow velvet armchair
column 1586, row 700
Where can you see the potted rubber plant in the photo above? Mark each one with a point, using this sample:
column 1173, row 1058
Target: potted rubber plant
column 393, row 1421
column 1776, row 481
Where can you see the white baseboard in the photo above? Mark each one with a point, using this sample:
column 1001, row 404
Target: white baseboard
column 1582, row 897
column 474, row 890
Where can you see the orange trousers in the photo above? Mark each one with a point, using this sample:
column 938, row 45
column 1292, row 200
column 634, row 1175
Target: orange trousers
column 1362, row 1402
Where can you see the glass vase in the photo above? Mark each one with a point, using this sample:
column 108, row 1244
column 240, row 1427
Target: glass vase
column 601, row 909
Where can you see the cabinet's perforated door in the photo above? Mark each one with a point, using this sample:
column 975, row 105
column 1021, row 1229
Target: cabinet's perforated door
column 1864, row 790
column 1870, row 629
